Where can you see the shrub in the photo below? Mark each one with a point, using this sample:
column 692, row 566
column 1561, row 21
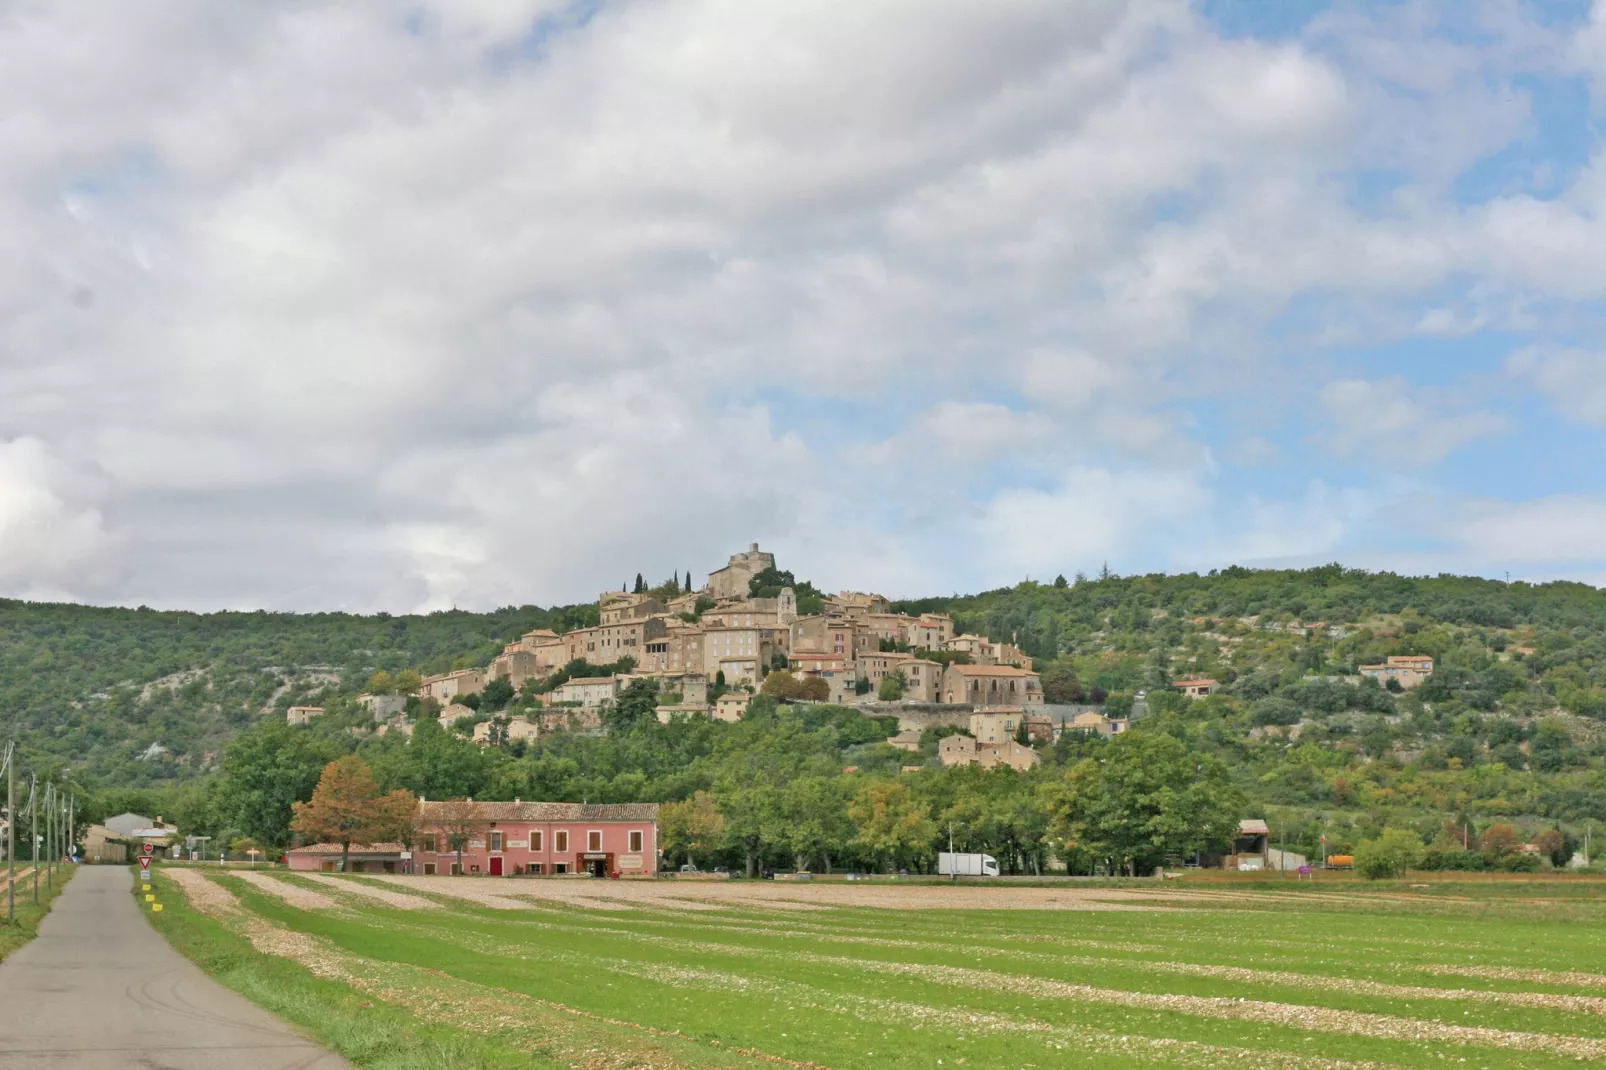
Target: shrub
column 1390, row 855
column 1276, row 711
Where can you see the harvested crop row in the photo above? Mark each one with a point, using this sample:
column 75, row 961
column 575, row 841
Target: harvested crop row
column 297, row 896
column 370, row 892
column 1296, row 1016
column 1058, row 1037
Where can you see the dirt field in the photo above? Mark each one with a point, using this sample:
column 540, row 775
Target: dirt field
column 511, row 893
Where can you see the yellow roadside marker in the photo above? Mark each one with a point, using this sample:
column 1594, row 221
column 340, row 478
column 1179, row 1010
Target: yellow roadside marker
column 156, row 907
column 145, row 888
column 150, row 899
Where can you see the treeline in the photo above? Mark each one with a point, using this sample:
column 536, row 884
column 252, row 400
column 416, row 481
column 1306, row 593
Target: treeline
column 790, row 786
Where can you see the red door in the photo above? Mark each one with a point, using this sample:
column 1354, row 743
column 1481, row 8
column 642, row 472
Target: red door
column 496, row 865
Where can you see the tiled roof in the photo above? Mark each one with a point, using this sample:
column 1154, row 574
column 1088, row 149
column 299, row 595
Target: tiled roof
column 356, row 849
column 990, row 670
column 1194, row 683
column 588, row 680
column 551, row 811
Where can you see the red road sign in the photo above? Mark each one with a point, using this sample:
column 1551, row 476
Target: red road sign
column 148, row 848
column 145, row 864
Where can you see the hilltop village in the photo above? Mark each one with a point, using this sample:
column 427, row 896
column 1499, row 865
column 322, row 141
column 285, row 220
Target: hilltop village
column 707, row 652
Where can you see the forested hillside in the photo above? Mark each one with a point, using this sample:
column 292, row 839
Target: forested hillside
column 98, row 687
column 1510, row 730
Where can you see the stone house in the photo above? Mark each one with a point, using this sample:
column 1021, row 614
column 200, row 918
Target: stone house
column 1409, row 670
column 991, row 685
column 302, row 715
column 997, row 724
column 589, row 691
column 447, row 686
column 732, row 706
column 1197, row 688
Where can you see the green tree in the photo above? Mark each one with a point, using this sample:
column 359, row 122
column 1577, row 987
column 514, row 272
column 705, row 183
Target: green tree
column 1390, row 855
column 753, row 821
column 266, row 771
column 496, row 694
column 1146, row 798
column 814, row 811
column 692, row 829
column 813, row 689
column 637, row 704
column 1060, row 683
column 891, row 689
column 893, row 825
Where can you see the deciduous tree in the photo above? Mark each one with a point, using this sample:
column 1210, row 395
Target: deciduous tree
column 347, row 807
column 893, row 823
column 691, row 829
column 457, row 824
column 1146, row 797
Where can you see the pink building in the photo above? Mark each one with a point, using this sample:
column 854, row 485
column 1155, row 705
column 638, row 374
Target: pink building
column 512, row 839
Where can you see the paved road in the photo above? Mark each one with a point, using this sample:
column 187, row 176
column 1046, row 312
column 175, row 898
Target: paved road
column 100, row 988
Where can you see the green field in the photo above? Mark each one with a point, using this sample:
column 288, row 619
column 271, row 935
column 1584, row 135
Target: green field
column 1486, row 974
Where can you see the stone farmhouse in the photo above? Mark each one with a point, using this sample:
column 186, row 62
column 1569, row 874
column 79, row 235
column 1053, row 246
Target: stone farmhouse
column 1408, row 670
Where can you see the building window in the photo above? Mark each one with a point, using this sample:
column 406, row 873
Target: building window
column 427, row 843
column 535, row 840
column 561, row 867
column 496, row 840
column 560, row 840
column 635, row 841
column 594, row 840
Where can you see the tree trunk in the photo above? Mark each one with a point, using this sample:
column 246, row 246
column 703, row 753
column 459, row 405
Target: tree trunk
column 459, row 872
column 345, row 856
column 752, row 863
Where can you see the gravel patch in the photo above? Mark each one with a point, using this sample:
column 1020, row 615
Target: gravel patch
column 208, row 897
column 399, row 900
column 297, row 896
column 1516, row 973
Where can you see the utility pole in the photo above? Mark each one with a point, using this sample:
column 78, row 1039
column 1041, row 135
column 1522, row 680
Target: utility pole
column 11, row 838
column 33, row 840
column 72, row 816
column 50, row 834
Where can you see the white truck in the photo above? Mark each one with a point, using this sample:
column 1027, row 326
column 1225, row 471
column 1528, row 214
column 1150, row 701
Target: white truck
column 950, row 864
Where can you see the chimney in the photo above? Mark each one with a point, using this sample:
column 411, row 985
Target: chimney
column 752, row 547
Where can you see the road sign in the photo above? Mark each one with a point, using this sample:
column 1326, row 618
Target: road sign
column 145, row 867
column 148, row 848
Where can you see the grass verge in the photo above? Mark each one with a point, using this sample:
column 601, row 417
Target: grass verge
column 29, row 914
column 369, row 1032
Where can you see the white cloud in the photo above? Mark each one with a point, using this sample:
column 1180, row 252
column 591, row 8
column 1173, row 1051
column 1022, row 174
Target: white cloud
column 1089, row 515
column 1573, row 379
column 1390, row 418
column 53, row 536
column 1546, row 531
column 486, row 302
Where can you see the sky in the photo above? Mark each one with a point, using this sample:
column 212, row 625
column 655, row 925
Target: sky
column 404, row 306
